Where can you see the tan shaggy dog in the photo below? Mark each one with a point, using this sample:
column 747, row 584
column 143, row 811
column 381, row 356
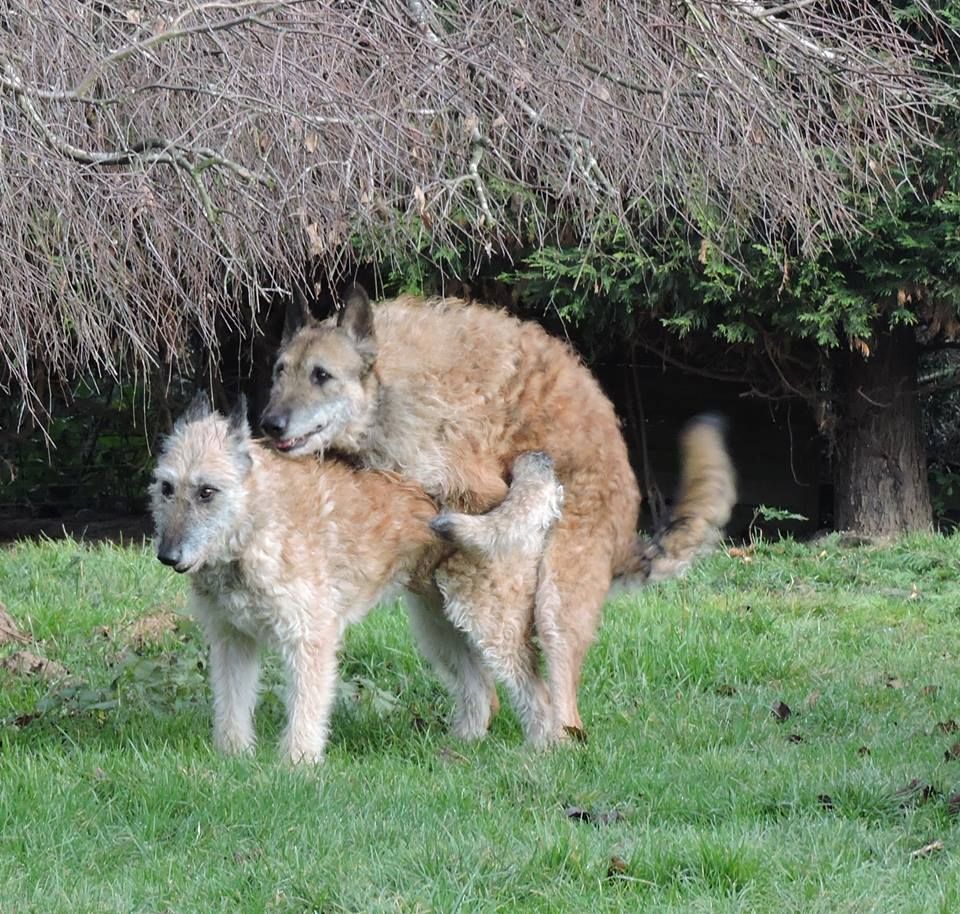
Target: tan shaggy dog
column 449, row 394
column 291, row 552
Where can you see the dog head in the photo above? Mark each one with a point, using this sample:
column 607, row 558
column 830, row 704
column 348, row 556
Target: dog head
column 198, row 493
column 324, row 390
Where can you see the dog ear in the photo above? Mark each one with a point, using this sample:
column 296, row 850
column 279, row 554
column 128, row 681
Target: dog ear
column 356, row 316
column 238, row 430
column 297, row 313
column 198, row 408
column 237, row 420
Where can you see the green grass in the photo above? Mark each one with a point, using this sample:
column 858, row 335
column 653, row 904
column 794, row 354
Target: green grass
column 697, row 798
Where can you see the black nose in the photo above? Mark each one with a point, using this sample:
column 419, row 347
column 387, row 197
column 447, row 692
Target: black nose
column 169, row 558
column 275, row 426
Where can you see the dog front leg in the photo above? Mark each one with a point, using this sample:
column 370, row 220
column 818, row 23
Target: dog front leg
column 313, row 688
column 234, row 675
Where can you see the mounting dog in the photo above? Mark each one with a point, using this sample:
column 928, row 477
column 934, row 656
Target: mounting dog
column 449, row 394
column 292, row 552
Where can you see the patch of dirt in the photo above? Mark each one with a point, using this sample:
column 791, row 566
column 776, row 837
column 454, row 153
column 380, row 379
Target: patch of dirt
column 594, row 817
column 24, row 663
column 149, row 630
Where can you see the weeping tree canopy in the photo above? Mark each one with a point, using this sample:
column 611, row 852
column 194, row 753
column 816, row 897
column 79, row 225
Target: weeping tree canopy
column 162, row 164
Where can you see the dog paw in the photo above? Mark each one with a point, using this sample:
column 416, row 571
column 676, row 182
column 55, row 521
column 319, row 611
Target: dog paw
column 230, row 743
column 297, row 755
column 469, row 730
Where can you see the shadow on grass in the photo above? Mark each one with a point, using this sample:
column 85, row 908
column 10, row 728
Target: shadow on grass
column 162, row 698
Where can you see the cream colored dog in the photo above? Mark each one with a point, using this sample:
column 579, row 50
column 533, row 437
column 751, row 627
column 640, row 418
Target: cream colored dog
column 292, row 552
column 449, row 394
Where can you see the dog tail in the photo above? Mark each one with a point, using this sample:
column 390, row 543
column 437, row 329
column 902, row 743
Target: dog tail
column 520, row 524
column 706, row 497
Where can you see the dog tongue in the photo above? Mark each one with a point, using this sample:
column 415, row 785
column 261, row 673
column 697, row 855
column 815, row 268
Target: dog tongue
column 284, row 444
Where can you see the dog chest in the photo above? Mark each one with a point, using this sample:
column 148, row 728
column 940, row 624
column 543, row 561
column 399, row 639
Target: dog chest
column 274, row 613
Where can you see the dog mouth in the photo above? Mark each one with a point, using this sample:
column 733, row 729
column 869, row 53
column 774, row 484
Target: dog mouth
column 289, row 445
column 180, row 567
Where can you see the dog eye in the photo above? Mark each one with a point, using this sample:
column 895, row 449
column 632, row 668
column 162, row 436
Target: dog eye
column 205, row 493
column 319, row 376
column 166, row 489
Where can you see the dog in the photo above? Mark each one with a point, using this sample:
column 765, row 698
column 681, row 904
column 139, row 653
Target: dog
column 448, row 394
column 292, row 552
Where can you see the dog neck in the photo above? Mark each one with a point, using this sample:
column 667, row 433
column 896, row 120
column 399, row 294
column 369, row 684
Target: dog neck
column 364, row 435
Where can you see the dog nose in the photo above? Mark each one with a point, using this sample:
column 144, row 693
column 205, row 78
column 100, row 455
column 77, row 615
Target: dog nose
column 169, row 558
column 275, row 426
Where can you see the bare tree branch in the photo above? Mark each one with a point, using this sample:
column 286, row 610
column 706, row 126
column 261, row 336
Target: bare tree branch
column 162, row 162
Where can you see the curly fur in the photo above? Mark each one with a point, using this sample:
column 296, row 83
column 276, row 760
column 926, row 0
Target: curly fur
column 455, row 393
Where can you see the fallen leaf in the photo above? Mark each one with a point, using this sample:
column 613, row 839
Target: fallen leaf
column 952, row 754
column 23, row 663
column 947, row 726
column 915, row 793
column 825, row 800
column 953, row 804
column 451, row 755
column 241, row 857
column 9, row 630
column 616, row 867
column 893, row 682
column 863, row 750
column 927, row 849
column 781, row 711
column 930, row 690
column 725, row 689
column 795, row 738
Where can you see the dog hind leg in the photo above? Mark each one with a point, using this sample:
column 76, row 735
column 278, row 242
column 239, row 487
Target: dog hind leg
column 492, row 601
column 574, row 582
column 457, row 663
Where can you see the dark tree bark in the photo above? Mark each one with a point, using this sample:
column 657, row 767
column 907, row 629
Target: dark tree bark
column 880, row 478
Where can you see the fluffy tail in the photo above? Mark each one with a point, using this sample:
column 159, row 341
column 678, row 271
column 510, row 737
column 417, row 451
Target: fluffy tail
column 707, row 495
column 520, row 524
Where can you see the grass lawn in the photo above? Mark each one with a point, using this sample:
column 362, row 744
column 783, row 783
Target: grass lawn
column 689, row 795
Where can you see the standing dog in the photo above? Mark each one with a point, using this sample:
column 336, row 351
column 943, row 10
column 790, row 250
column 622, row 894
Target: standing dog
column 449, row 394
column 292, row 552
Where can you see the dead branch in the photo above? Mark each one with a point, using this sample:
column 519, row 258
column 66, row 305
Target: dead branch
column 163, row 163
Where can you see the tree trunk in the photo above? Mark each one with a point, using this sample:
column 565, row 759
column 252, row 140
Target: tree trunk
column 880, row 467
